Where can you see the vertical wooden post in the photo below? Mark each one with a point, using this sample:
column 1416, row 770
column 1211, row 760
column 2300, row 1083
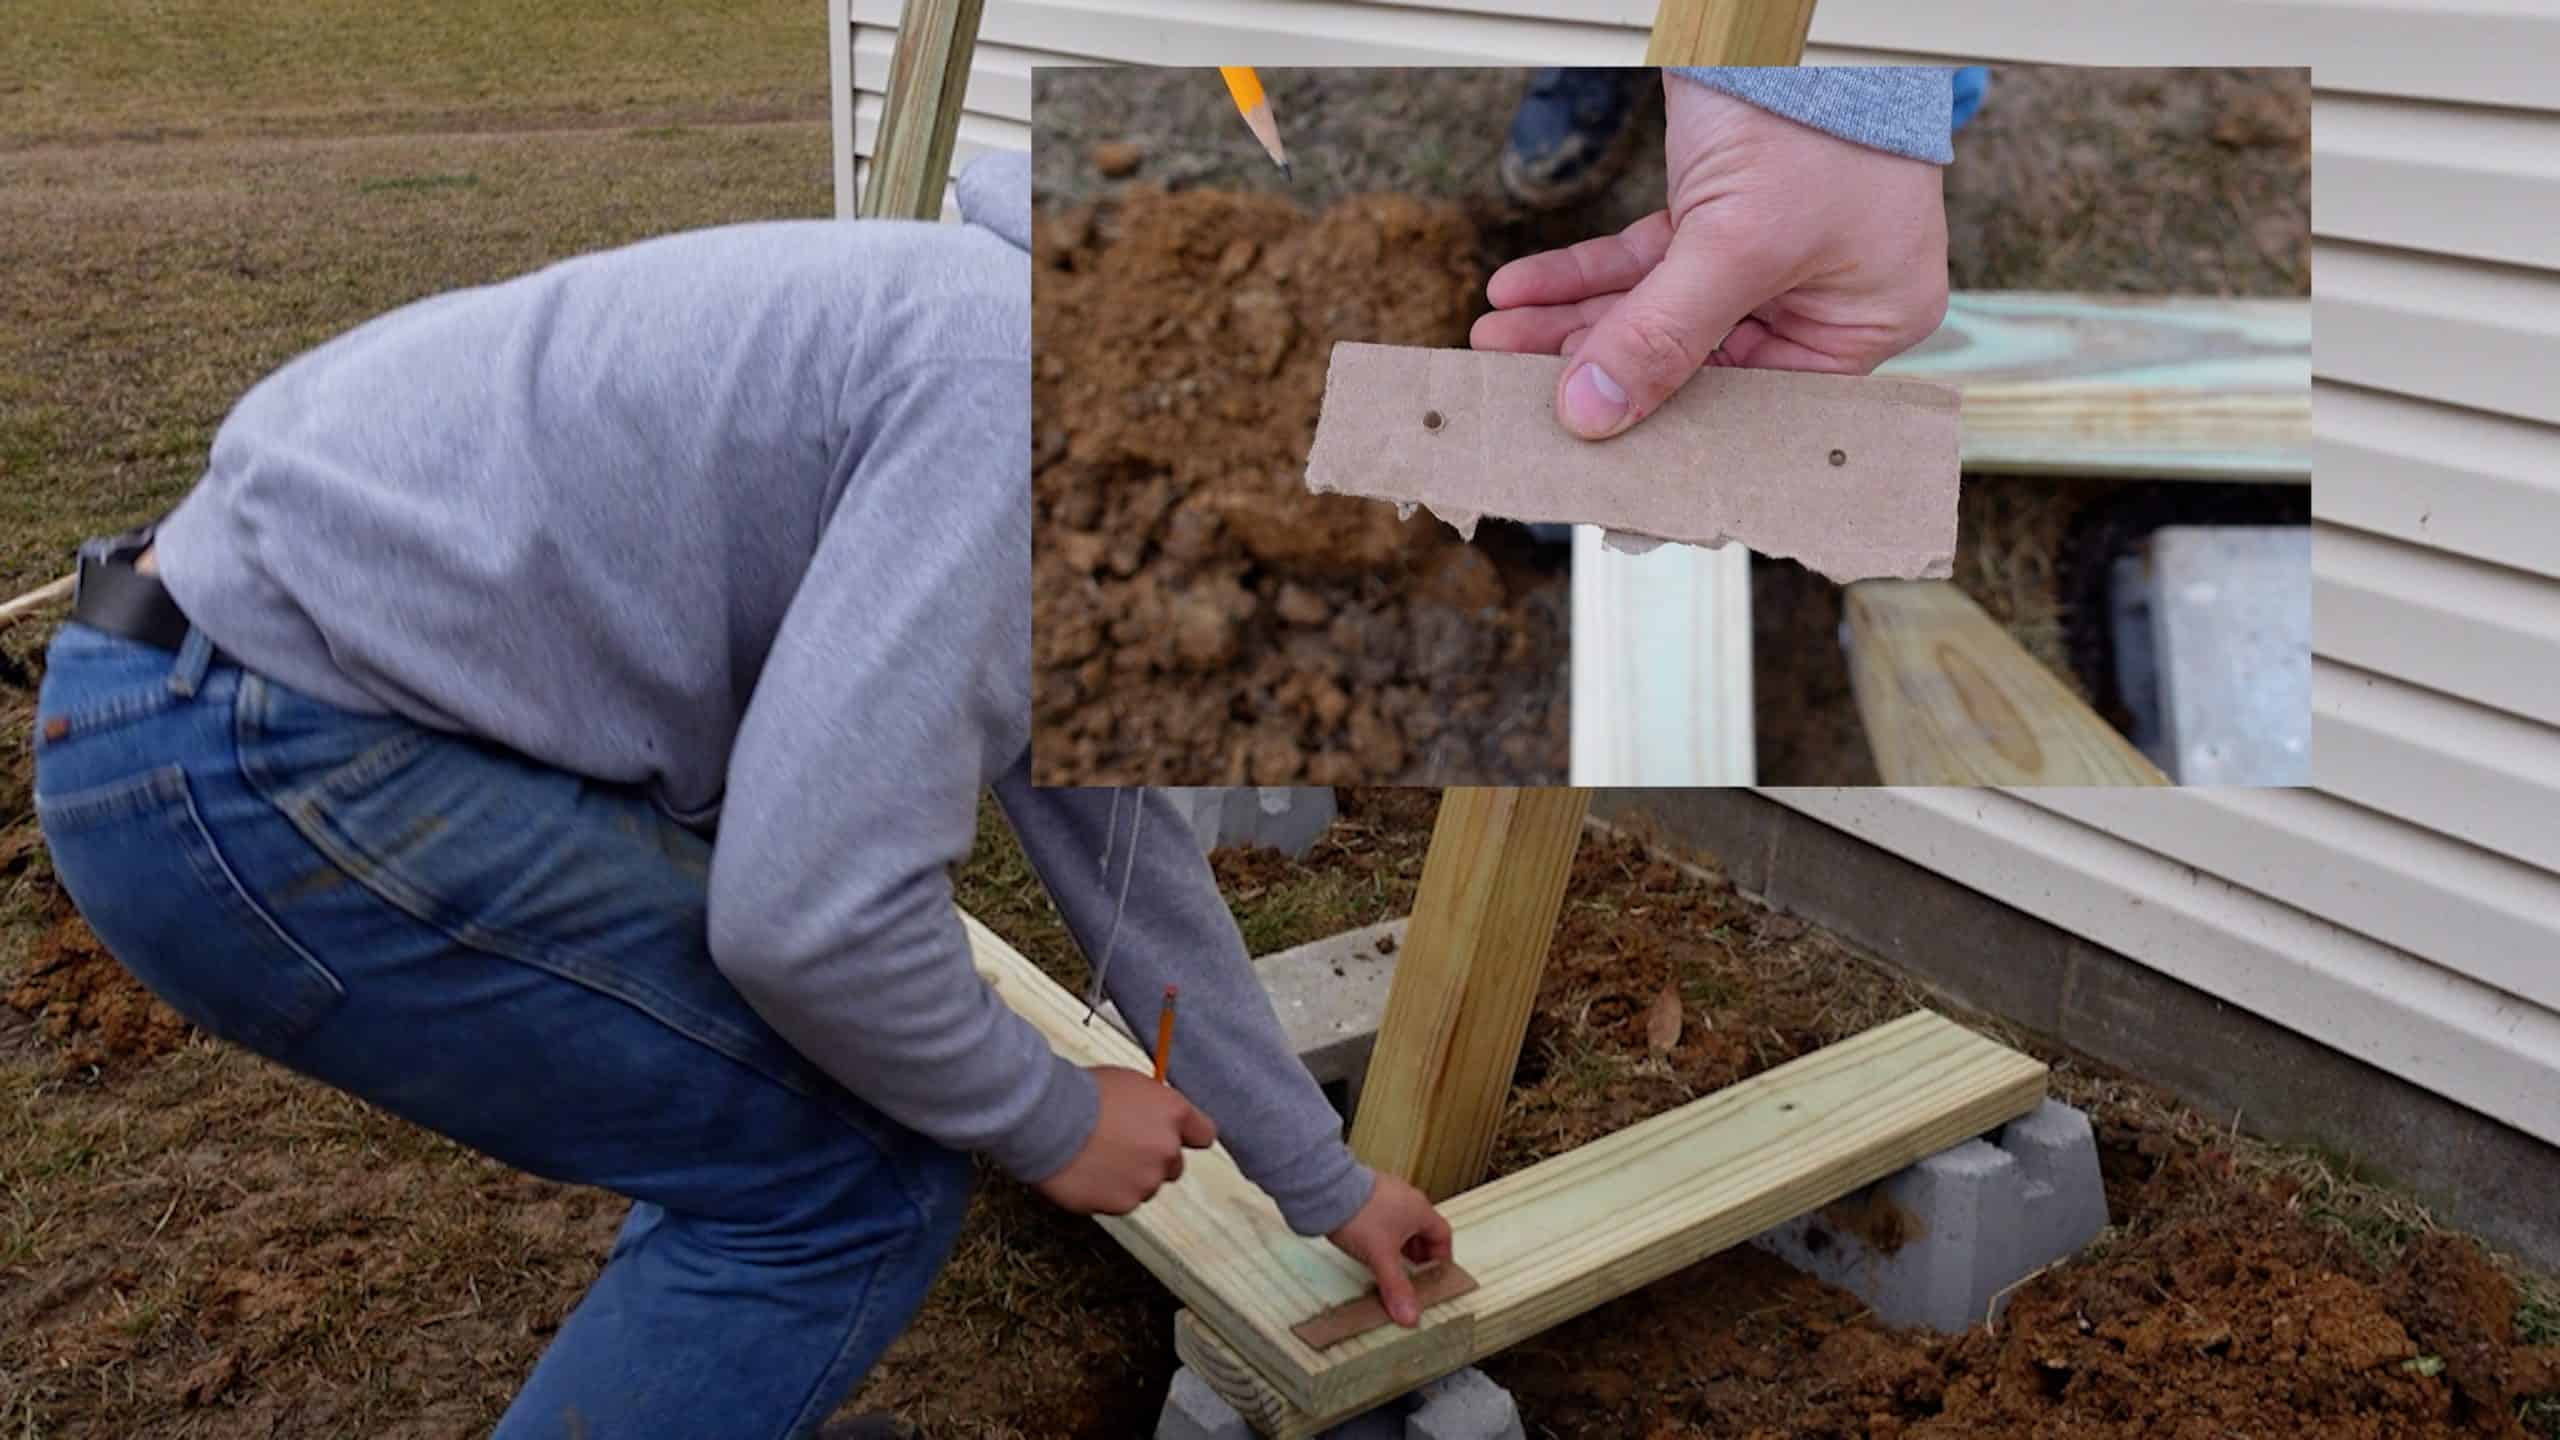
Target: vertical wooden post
column 928, row 77
column 1730, row 32
column 1458, row 1007
column 1493, row 880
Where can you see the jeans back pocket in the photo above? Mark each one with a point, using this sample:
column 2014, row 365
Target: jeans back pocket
column 149, row 877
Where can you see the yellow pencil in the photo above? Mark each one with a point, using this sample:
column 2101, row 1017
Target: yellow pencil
column 1164, row 1035
column 1246, row 87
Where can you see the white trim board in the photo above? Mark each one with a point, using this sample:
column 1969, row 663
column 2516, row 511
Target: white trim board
column 2466, row 1041
column 1661, row 665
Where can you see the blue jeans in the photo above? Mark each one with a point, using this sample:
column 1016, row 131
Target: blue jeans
column 513, row 957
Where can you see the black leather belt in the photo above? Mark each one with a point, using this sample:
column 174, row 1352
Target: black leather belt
column 109, row 594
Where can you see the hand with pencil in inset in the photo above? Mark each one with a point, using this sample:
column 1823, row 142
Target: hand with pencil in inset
column 1804, row 229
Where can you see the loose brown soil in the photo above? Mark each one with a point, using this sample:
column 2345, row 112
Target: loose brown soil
column 1198, row 618
column 249, row 1254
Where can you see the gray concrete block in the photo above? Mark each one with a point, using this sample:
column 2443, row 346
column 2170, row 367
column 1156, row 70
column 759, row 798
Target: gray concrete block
column 2066, row 1198
column 2231, row 634
column 1329, row 995
column 1936, row 1244
column 2137, row 669
column 1193, row 1411
column 1464, row 1406
column 1285, row 818
column 1384, row 1423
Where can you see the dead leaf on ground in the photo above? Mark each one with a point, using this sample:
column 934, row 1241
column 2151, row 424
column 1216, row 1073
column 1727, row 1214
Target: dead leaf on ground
column 209, row 1381
column 1662, row 1022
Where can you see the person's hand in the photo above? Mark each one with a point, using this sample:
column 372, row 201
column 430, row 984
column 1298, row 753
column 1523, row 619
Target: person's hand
column 1135, row 1148
column 1782, row 248
column 1396, row 1224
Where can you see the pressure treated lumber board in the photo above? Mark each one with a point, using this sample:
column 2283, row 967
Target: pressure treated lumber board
column 1220, row 1245
column 1729, row 32
column 928, row 80
column 1572, row 1232
column 1949, row 698
column 1458, row 1007
column 2161, row 388
column 1853, row 475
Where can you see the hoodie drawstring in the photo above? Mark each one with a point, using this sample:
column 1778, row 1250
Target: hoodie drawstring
column 1111, row 940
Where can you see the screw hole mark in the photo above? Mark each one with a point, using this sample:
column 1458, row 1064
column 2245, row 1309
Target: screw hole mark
column 1839, row 457
column 1433, row 420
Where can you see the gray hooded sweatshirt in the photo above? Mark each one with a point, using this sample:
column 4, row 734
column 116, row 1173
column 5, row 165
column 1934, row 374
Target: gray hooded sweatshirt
column 743, row 516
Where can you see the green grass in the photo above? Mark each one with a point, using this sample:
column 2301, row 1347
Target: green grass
column 416, row 182
column 102, row 68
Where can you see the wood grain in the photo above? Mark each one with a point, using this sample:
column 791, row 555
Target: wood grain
column 2162, row 388
column 1729, row 32
column 1458, row 1008
column 928, row 80
column 1569, row 1233
column 1219, row 1244
column 1949, row 698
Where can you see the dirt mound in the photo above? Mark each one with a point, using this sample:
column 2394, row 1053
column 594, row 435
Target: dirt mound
column 1199, row 618
column 86, row 1003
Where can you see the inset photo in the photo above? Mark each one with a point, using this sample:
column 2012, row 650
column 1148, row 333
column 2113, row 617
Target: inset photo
column 1824, row 426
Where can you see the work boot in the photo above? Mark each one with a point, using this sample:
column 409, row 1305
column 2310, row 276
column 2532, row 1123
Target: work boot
column 1572, row 135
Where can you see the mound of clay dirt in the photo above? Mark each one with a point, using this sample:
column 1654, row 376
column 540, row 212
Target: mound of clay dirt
column 1198, row 618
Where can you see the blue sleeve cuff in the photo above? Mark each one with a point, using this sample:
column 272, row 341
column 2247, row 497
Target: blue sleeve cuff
column 1905, row 110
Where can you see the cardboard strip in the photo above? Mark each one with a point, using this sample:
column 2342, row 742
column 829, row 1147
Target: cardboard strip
column 1431, row 1285
column 1855, row 476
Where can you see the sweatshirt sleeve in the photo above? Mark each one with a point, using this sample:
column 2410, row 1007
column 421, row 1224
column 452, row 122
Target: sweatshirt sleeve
column 1230, row 1056
column 896, row 683
column 1905, row 110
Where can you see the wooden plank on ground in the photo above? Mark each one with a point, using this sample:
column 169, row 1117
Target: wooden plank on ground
column 1949, row 698
column 1220, row 1245
column 1853, row 475
column 928, row 80
column 34, row 600
column 1458, row 1007
column 2160, row 388
column 1549, row 1242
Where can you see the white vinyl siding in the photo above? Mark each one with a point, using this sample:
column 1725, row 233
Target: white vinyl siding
column 2406, row 910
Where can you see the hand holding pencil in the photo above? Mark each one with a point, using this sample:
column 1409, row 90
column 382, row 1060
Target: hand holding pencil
column 1138, row 1138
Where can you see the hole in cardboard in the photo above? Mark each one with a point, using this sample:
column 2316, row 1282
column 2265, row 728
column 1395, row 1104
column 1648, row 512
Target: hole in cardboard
column 1839, row 457
column 1431, row 420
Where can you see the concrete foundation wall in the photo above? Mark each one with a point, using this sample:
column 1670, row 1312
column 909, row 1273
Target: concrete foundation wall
column 2474, row 1172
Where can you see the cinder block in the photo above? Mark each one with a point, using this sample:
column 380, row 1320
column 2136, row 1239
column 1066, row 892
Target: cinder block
column 1193, row 1411
column 1329, row 994
column 1936, row 1244
column 2231, row 634
column 1286, row 818
column 1384, row 1423
column 2066, row 1197
column 1464, row 1406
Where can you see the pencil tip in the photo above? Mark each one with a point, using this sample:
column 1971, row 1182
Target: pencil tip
column 1288, row 174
